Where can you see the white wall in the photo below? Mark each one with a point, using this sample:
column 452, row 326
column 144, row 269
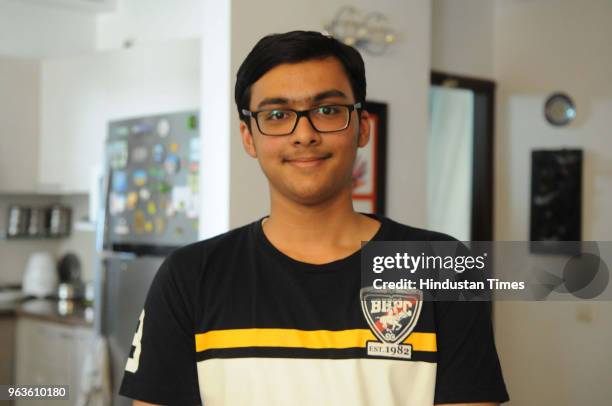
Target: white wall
column 541, row 49
column 217, row 118
column 146, row 21
column 462, row 36
column 30, row 30
column 550, row 353
column 399, row 78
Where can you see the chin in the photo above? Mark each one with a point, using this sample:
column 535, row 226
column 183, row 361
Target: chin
column 312, row 196
column 306, row 197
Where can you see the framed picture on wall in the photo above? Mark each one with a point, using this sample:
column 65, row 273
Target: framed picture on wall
column 369, row 172
column 556, row 201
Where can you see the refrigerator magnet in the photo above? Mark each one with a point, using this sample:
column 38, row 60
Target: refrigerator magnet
column 121, row 131
column 151, row 208
column 160, row 225
column 141, row 128
column 156, row 172
column 180, row 197
column 164, row 188
column 118, row 154
column 172, row 164
column 194, row 167
column 139, row 222
column 192, row 122
column 132, row 200
column 117, row 203
column 194, row 149
column 163, row 128
column 121, row 228
column 192, row 206
column 158, row 153
column 139, row 154
column 139, row 177
column 145, row 194
column 170, row 211
column 120, row 181
column 193, row 182
column 149, row 227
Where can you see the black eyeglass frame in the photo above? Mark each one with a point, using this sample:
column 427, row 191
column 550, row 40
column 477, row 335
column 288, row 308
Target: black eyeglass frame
column 300, row 113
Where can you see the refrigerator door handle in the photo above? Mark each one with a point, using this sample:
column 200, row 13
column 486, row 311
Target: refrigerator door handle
column 106, row 254
column 100, row 297
column 102, row 230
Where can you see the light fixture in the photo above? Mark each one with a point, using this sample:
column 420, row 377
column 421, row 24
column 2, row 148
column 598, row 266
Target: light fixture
column 367, row 31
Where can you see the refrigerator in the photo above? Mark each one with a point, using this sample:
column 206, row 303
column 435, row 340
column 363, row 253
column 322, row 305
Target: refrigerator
column 149, row 207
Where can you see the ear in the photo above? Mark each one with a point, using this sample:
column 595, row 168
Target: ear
column 364, row 129
column 247, row 140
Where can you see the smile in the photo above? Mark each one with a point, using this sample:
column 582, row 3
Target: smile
column 307, row 162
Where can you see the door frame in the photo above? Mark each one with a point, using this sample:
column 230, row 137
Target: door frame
column 482, row 225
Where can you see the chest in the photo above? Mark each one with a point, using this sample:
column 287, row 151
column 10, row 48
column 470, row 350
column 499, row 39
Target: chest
column 255, row 291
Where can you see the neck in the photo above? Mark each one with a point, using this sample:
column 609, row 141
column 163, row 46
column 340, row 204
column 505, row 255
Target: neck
column 330, row 223
column 318, row 233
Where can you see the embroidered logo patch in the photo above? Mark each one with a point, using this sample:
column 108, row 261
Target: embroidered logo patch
column 392, row 315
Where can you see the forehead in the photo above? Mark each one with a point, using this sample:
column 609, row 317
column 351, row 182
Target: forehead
column 302, row 80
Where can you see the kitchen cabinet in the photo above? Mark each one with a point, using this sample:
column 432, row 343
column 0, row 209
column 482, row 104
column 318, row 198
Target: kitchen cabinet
column 50, row 353
column 19, row 123
column 54, row 113
column 80, row 95
column 7, row 348
column 73, row 123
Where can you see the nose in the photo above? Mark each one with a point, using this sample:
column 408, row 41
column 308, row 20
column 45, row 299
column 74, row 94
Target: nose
column 304, row 133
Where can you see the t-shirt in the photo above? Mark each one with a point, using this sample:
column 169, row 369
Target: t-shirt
column 232, row 320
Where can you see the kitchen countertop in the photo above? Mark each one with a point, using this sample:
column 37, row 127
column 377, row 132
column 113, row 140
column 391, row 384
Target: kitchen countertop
column 58, row 311
column 8, row 308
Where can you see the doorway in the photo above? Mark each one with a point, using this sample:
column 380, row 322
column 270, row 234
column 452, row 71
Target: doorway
column 460, row 157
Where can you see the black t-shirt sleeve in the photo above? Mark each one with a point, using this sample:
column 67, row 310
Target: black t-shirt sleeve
column 161, row 368
column 468, row 366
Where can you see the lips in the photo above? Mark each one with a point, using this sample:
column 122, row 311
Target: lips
column 307, row 161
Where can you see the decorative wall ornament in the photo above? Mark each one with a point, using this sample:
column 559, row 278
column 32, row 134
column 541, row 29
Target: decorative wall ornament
column 369, row 172
column 556, row 199
column 369, row 32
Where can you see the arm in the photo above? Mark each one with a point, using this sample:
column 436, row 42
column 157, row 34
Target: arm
column 468, row 367
column 141, row 403
column 161, row 368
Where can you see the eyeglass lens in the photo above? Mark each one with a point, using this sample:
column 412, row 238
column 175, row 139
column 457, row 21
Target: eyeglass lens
column 323, row 119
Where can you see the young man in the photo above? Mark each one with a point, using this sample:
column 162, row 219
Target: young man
column 270, row 313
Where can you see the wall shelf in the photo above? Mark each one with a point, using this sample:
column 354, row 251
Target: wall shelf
column 5, row 237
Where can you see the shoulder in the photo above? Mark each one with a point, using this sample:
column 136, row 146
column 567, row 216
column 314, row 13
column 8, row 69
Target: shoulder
column 197, row 254
column 187, row 265
column 402, row 232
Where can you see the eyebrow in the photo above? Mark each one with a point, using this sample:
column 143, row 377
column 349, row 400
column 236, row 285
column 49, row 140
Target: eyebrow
column 314, row 99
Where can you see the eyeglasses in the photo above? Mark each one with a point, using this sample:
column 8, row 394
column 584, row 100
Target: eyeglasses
column 324, row 119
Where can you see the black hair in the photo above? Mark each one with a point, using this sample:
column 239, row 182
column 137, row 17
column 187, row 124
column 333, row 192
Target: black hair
column 293, row 47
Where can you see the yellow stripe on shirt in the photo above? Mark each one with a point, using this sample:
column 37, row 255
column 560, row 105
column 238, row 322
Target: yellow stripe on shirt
column 292, row 338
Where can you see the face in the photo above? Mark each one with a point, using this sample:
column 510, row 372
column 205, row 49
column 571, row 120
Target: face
column 306, row 166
